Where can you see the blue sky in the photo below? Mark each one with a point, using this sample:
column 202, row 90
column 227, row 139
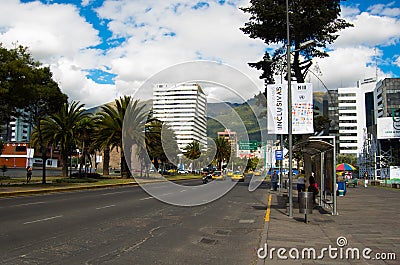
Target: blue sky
column 101, row 49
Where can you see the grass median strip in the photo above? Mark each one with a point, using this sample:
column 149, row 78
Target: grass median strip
column 17, row 186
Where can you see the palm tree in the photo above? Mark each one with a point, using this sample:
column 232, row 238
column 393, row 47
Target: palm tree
column 192, row 151
column 223, row 151
column 61, row 129
column 85, row 129
column 110, row 127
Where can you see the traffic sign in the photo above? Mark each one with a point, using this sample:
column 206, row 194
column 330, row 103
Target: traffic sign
column 278, row 155
column 248, row 145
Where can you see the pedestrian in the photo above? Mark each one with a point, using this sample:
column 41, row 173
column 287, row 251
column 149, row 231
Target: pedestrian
column 301, row 186
column 313, row 187
column 274, row 180
column 28, row 174
column 365, row 179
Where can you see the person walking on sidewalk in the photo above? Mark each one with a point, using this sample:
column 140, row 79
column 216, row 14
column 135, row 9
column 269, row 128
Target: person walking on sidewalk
column 28, row 174
column 365, row 179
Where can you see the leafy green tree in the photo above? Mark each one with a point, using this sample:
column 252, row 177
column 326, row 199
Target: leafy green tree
column 223, row 151
column 15, row 77
column 45, row 98
column 252, row 163
column 4, row 169
column 309, row 20
column 1, row 146
column 27, row 90
column 347, row 158
column 61, row 129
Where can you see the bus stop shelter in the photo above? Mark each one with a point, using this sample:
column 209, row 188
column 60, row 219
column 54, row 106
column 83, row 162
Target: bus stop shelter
column 323, row 149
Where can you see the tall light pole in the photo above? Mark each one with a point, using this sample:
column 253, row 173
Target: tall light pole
column 290, row 137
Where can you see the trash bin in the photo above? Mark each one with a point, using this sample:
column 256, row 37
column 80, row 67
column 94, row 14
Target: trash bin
column 341, row 189
column 306, row 202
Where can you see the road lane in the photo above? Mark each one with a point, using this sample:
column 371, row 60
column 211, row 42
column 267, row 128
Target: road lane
column 127, row 226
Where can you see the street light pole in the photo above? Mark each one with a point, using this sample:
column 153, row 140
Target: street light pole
column 289, row 111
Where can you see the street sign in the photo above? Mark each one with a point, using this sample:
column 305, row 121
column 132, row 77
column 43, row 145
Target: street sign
column 248, row 145
column 278, row 155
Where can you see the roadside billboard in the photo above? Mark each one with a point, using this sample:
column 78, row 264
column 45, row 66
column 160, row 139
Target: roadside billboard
column 387, row 128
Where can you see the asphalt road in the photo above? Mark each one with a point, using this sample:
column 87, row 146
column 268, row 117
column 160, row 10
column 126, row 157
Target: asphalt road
column 128, row 226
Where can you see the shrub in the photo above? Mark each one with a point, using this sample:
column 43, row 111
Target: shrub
column 88, row 175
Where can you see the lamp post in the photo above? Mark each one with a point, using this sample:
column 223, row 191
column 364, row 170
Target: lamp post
column 290, row 133
column 290, row 136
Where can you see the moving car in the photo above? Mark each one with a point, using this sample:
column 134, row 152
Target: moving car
column 237, row 176
column 217, row 175
column 257, row 173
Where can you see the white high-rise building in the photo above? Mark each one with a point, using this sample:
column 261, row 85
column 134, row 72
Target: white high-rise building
column 183, row 107
column 352, row 118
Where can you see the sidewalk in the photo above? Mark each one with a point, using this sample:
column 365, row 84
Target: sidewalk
column 367, row 218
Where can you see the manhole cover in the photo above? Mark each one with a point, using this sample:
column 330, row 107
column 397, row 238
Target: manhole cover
column 208, row 241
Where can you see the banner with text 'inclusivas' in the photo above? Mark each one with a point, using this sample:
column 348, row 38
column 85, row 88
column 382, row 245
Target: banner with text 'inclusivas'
column 302, row 108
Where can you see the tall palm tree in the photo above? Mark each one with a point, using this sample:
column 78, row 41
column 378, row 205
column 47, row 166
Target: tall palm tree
column 84, row 130
column 61, row 129
column 223, row 151
column 110, row 127
column 192, row 151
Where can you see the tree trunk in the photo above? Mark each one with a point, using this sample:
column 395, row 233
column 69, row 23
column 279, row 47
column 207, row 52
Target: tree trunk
column 64, row 157
column 44, row 159
column 106, row 161
column 43, row 150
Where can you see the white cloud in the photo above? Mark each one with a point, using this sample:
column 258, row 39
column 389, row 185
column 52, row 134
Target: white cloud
column 385, row 10
column 345, row 66
column 57, row 36
column 159, row 34
column 370, row 30
column 398, row 61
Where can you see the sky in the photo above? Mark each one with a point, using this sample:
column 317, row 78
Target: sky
column 99, row 50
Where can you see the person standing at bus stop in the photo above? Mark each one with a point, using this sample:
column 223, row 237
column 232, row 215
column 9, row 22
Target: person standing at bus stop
column 274, row 180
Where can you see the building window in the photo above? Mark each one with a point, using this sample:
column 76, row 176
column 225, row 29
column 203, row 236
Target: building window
column 20, row 149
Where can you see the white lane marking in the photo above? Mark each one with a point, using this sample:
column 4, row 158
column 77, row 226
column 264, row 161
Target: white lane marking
column 104, row 207
column 165, row 194
column 183, row 190
column 111, row 193
column 25, row 204
column 41, row 220
column 151, row 197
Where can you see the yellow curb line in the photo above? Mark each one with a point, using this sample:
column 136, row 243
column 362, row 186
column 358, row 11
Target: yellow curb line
column 268, row 212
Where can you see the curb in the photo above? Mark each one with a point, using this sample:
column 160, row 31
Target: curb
column 54, row 190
